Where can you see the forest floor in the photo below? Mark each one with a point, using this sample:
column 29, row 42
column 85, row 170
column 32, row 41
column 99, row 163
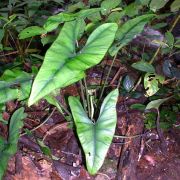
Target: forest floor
column 140, row 157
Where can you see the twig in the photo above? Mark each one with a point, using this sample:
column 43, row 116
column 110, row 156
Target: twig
column 50, row 131
column 37, row 127
column 29, row 43
column 116, row 75
column 174, row 24
column 122, row 143
column 13, row 39
column 102, row 174
column 129, row 137
column 10, row 53
column 119, row 82
column 155, row 54
column 137, row 84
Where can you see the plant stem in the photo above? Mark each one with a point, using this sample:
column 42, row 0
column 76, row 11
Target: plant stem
column 137, row 84
column 65, row 109
column 87, row 97
column 155, row 54
column 174, row 24
column 29, row 43
column 82, row 94
column 160, row 133
column 13, row 39
column 92, row 107
column 103, row 88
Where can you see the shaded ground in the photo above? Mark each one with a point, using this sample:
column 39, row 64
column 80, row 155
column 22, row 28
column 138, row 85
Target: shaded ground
column 133, row 158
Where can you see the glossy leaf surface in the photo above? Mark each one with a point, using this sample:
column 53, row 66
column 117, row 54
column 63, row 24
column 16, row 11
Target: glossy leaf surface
column 95, row 137
column 63, row 66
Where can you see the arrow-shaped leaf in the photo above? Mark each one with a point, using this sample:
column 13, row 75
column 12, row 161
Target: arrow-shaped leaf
column 63, row 66
column 96, row 137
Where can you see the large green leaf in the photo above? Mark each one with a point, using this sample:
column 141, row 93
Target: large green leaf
column 63, row 66
column 128, row 31
column 95, row 137
column 10, row 146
